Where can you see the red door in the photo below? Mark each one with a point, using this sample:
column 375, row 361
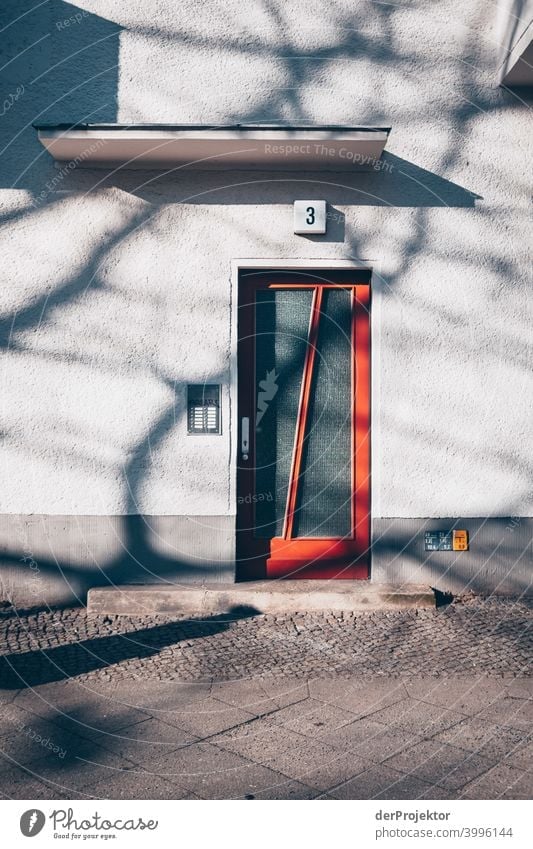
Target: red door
column 303, row 480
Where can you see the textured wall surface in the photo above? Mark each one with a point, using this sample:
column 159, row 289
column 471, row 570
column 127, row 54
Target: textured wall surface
column 55, row 559
column 498, row 560
column 115, row 289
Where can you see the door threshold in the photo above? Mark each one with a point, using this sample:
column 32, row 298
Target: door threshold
column 258, row 597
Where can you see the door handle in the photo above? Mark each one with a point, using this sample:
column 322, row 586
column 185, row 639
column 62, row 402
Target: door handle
column 245, row 437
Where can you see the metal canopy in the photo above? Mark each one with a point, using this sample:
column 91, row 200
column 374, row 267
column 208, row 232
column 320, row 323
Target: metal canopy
column 271, row 147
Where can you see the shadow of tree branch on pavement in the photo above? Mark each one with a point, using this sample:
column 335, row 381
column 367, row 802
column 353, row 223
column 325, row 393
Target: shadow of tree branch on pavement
column 29, row 669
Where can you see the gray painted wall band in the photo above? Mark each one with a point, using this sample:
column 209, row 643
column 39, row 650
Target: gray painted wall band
column 500, row 557
column 55, row 559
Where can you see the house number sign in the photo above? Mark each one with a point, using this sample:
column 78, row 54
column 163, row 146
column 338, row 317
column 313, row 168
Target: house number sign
column 309, row 216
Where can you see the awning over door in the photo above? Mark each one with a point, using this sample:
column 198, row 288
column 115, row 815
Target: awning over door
column 170, row 146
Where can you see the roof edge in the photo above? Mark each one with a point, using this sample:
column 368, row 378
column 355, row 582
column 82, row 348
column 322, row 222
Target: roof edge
column 212, row 127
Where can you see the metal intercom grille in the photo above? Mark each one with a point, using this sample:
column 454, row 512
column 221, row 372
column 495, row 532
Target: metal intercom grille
column 203, row 408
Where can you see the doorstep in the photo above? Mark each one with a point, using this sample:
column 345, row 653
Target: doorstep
column 263, row 596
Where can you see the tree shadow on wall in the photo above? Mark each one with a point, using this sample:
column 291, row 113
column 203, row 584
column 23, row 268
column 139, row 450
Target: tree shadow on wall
column 60, row 63
column 87, row 51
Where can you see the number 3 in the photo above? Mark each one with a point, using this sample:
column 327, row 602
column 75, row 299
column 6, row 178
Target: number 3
column 310, row 215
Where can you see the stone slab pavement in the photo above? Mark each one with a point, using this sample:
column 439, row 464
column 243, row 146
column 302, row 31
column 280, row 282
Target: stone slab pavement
column 437, row 705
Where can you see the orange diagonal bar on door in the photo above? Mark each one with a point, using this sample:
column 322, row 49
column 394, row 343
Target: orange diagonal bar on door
column 303, row 407
column 361, row 419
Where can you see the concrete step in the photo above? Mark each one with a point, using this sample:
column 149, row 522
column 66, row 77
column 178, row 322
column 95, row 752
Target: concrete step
column 262, row 596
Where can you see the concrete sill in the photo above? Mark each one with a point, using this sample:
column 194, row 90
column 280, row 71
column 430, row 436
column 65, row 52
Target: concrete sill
column 263, row 596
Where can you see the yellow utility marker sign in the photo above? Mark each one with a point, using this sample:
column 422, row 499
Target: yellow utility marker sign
column 460, row 541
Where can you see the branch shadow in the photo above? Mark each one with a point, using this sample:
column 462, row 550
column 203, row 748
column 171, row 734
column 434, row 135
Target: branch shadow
column 397, row 183
column 31, row 669
column 60, row 63
column 392, row 182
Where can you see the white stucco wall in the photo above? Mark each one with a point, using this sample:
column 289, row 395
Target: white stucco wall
column 115, row 291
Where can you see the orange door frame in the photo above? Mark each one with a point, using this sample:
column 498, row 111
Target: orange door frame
column 311, row 557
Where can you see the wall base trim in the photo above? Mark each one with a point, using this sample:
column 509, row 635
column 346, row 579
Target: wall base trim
column 500, row 557
column 55, row 560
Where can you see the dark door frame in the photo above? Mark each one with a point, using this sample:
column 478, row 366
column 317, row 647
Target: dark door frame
column 345, row 558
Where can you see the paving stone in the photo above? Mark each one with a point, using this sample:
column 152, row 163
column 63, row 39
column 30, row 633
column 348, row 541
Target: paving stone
column 440, row 764
column 161, row 697
column 85, row 763
column 521, row 756
column 199, row 759
column 40, row 740
column 287, row 791
column 463, row 695
column 28, row 789
column 214, row 773
column 144, row 741
column 380, row 782
column 318, row 766
column 207, row 717
column 312, row 719
column 75, row 707
column 260, row 740
column 521, row 688
column 360, row 698
column 8, row 696
column 435, row 791
column 369, row 739
column 515, row 713
column 260, row 697
column 409, row 787
column 249, row 780
column 418, row 718
column 65, row 776
column 479, row 735
column 501, row 782
column 135, row 784
column 13, row 719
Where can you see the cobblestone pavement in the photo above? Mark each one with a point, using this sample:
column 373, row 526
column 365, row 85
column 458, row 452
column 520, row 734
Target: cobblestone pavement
column 404, row 705
column 489, row 636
